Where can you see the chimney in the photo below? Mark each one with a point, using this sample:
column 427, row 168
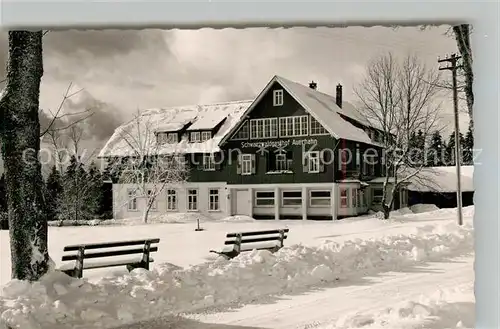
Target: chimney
column 313, row 85
column 338, row 98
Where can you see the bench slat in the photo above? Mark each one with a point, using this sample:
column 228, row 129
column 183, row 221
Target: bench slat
column 233, row 235
column 101, row 254
column 110, row 244
column 93, row 265
column 252, row 240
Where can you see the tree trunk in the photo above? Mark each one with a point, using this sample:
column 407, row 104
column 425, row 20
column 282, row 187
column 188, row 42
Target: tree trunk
column 145, row 214
column 20, row 136
column 462, row 36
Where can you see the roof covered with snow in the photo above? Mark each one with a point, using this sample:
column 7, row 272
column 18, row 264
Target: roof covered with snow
column 443, row 180
column 139, row 134
column 321, row 106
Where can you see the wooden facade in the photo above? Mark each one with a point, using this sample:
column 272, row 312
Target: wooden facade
column 281, row 161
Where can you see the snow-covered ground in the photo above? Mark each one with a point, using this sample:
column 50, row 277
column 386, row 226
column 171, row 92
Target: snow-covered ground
column 353, row 261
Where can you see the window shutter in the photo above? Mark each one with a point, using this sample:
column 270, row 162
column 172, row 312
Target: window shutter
column 305, row 160
column 268, row 162
column 254, row 165
column 238, row 165
column 217, row 158
column 322, row 160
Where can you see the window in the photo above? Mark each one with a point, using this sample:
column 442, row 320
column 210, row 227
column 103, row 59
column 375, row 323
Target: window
column 171, row 200
column 192, row 200
column 213, row 200
column 246, row 164
column 344, row 198
column 361, row 199
column 354, row 198
column 278, row 97
column 243, row 133
column 320, row 198
column 264, row 199
column 279, row 161
column 208, row 162
column 316, row 128
column 294, row 126
column 313, row 162
column 154, row 204
column 369, row 165
column 290, row 198
column 171, row 138
column 264, row 128
column 378, row 194
column 195, row 137
column 206, row 135
column 132, row 199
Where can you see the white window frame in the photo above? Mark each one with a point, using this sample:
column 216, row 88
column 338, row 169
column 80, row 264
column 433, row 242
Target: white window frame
column 278, row 97
column 346, row 197
column 172, row 200
column 313, row 198
column 246, row 163
column 189, row 201
column 243, row 130
column 132, row 199
column 154, row 206
column 208, row 162
column 257, row 198
column 206, row 135
column 172, row 138
column 288, row 125
column 320, row 130
column 377, row 199
column 258, row 128
column 213, row 199
column 284, row 199
column 313, row 161
column 195, row 137
column 281, row 162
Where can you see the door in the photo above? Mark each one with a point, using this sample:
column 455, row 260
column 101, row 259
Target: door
column 242, row 203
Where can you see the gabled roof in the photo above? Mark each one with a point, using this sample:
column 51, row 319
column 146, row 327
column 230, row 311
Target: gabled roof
column 321, row 107
column 154, row 120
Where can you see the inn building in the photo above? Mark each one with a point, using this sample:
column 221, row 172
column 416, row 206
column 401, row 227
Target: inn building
column 293, row 152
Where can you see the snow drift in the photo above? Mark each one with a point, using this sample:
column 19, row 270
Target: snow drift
column 58, row 301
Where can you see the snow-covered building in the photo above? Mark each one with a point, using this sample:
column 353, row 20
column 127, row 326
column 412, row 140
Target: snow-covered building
column 276, row 156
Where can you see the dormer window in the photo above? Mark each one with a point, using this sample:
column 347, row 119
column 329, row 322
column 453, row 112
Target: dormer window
column 167, row 138
column 278, row 97
column 195, row 137
column 206, row 135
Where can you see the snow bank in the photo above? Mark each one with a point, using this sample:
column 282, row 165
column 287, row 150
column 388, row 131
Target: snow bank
column 174, row 218
column 58, row 301
column 452, row 308
column 239, row 219
column 421, row 207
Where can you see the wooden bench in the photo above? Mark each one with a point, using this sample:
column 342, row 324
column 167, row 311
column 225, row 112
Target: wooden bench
column 101, row 250
column 243, row 241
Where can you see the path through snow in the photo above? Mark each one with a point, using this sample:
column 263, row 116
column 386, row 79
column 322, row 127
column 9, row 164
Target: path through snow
column 325, row 308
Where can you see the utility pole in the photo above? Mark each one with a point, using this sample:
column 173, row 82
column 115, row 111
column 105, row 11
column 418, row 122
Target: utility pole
column 452, row 66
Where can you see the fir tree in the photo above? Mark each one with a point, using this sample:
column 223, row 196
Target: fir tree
column 450, row 149
column 54, row 191
column 79, row 197
column 436, row 153
column 468, row 147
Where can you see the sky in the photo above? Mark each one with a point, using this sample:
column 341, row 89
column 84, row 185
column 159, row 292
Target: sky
column 122, row 71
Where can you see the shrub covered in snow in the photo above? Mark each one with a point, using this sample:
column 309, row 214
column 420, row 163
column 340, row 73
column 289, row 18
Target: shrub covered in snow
column 58, row 301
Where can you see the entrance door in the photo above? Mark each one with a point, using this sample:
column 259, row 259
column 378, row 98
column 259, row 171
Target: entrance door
column 242, row 203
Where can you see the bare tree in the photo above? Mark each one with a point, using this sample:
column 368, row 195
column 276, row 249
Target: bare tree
column 20, row 139
column 148, row 172
column 397, row 98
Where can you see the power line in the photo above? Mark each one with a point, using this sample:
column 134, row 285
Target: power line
column 452, row 66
